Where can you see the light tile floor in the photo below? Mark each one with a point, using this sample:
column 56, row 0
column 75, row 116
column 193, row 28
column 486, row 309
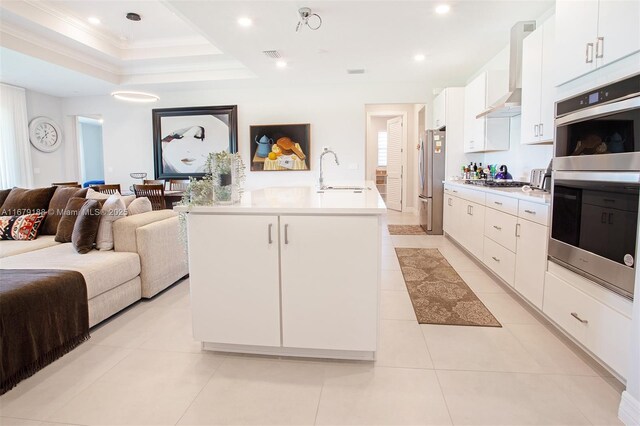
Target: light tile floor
column 142, row 367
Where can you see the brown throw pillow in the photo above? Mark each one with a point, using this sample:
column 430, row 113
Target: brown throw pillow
column 4, row 193
column 27, row 201
column 57, row 207
column 86, row 227
column 68, row 220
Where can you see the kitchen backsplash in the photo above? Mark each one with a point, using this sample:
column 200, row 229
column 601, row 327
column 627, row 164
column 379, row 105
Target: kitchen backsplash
column 520, row 159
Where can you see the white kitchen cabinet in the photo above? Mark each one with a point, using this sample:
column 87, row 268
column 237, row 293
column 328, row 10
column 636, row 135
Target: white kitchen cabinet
column 236, row 296
column 440, row 110
column 448, row 220
column 537, row 85
column 484, row 134
column 618, row 30
column 531, row 260
column 473, row 225
column 594, row 33
column 501, row 228
column 500, row 260
column 600, row 328
column 326, row 263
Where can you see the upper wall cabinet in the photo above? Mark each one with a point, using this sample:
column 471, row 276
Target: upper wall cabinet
column 594, row 33
column 537, row 85
column 484, row 134
column 440, row 110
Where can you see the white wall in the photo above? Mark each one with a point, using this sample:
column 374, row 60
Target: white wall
column 48, row 167
column 336, row 114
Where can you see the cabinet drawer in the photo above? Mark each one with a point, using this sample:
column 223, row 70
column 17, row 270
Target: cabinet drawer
column 599, row 328
column 472, row 195
column 502, row 203
column 499, row 260
column 534, row 212
column 501, row 228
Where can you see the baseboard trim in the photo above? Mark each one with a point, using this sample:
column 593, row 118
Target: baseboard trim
column 629, row 411
column 290, row 352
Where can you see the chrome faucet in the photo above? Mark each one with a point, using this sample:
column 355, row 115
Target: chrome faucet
column 326, row 151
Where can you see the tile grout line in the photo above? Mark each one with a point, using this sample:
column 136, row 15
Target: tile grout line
column 315, row 419
column 215, row 370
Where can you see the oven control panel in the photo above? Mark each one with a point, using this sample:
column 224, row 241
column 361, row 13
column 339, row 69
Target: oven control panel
column 620, row 89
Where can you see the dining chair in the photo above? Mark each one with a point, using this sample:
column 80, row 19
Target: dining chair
column 72, row 184
column 178, row 184
column 107, row 189
column 155, row 194
column 152, row 182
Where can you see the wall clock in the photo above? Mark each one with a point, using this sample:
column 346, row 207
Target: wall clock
column 45, row 134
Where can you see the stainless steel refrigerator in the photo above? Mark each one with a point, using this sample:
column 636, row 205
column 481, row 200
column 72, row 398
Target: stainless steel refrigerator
column 431, row 175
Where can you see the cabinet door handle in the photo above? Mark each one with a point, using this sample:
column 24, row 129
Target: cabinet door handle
column 517, row 230
column 455, row 192
column 286, row 233
column 599, row 47
column 575, row 315
column 497, row 227
column 270, row 239
column 541, row 129
column 495, row 258
column 589, row 53
column 530, row 211
column 498, row 203
column 535, row 130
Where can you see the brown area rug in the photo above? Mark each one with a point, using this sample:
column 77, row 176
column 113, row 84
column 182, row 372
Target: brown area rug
column 406, row 230
column 438, row 294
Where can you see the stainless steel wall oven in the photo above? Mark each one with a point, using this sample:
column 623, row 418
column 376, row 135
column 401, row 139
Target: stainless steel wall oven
column 596, row 185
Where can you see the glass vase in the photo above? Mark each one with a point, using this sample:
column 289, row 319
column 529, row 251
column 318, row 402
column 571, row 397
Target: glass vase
column 224, row 177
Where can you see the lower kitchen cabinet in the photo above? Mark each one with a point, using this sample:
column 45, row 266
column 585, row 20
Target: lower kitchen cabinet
column 326, row 262
column 240, row 303
column 604, row 331
column 531, row 260
column 500, row 260
column 470, row 218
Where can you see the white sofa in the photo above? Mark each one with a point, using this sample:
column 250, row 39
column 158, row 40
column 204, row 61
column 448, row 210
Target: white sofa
column 147, row 258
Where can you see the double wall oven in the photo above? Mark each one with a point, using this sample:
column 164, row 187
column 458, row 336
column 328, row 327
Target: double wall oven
column 596, row 185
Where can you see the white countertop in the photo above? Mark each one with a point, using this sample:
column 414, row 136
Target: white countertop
column 301, row 200
column 534, row 196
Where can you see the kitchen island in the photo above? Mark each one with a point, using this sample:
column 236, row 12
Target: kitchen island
column 288, row 271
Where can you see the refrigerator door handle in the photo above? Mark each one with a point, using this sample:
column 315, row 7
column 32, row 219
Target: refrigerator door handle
column 421, row 167
column 429, row 172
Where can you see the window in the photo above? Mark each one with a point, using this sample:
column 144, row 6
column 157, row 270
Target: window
column 382, row 149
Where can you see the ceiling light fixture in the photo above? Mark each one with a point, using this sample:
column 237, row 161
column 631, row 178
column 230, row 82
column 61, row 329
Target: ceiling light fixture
column 441, row 9
column 245, row 21
column 308, row 18
column 129, row 96
column 132, row 16
column 419, row 57
column 93, row 20
column 281, row 64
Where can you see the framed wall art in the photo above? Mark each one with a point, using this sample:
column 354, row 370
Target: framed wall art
column 280, row 147
column 184, row 137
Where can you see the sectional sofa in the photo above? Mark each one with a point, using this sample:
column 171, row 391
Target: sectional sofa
column 148, row 257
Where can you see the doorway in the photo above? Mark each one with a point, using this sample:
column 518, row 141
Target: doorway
column 386, row 154
column 90, row 148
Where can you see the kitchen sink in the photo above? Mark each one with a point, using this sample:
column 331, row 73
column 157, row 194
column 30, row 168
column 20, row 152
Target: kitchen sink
column 344, row 188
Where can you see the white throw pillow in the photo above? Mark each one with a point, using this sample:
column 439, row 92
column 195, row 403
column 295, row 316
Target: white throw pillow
column 112, row 210
column 95, row 195
column 139, row 205
column 128, row 199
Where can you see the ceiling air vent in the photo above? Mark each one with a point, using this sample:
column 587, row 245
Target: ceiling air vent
column 356, row 71
column 273, row 54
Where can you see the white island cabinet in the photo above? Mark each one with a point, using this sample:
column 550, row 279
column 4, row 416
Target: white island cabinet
column 288, row 271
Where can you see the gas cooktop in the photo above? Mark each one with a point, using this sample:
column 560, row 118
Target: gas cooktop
column 497, row 183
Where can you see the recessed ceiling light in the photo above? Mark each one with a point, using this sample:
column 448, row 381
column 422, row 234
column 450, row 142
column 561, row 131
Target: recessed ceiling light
column 441, row 9
column 93, row 20
column 281, row 64
column 419, row 57
column 245, row 21
column 126, row 95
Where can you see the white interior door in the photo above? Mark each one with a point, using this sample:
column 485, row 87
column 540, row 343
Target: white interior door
column 394, row 164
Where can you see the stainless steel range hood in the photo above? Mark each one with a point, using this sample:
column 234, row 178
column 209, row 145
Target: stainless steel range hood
column 509, row 104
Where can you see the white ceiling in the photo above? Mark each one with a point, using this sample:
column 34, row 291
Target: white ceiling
column 197, row 42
